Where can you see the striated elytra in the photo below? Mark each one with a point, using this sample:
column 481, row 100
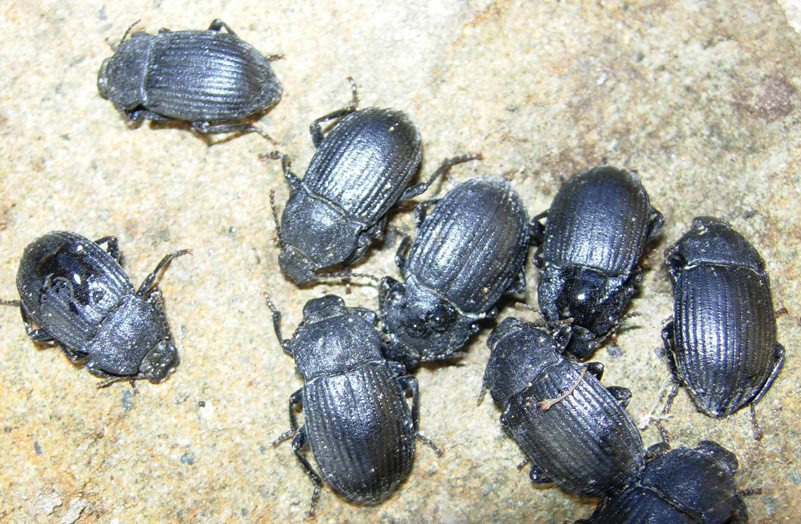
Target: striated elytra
column 211, row 79
column 357, row 421
column 590, row 247
column 721, row 343
column 75, row 293
column 680, row 486
column 361, row 168
column 470, row 249
column 575, row 431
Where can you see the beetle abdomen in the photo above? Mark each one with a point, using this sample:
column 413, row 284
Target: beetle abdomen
column 599, row 220
column 68, row 285
column 473, row 244
column 207, row 76
column 365, row 163
column 637, row 505
column 725, row 335
column 585, row 442
column 360, row 431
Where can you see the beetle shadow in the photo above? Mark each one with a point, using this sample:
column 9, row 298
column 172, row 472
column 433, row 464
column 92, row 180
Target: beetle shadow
column 207, row 138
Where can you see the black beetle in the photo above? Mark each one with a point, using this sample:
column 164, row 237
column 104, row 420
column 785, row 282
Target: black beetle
column 680, row 486
column 575, row 431
column 721, row 343
column 360, row 170
column 470, row 250
column 76, row 294
column 598, row 225
column 357, row 421
column 211, row 79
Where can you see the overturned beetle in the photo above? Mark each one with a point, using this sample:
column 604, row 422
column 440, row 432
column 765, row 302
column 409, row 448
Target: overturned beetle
column 597, row 226
column 721, row 343
column 357, row 421
column 470, row 250
column 360, row 170
column 575, row 431
column 211, row 79
column 680, row 486
column 76, row 294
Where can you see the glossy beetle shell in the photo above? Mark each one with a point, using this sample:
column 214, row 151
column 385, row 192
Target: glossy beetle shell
column 359, row 171
column 78, row 295
column 722, row 340
column 597, row 227
column 357, row 421
column 470, row 249
column 584, row 440
column 206, row 76
column 680, row 486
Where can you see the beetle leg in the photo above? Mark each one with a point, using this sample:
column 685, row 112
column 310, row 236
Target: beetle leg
column 400, row 258
column 621, row 394
column 655, row 221
column 37, row 335
column 409, row 383
column 112, row 246
column 536, row 229
column 207, row 128
column 151, row 279
column 285, row 343
column 12, row 303
column 297, row 444
column 421, row 209
column 538, row 476
column 217, row 25
column 596, row 369
column 286, row 162
column 428, row 442
column 316, row 129
column 421, row 188
column 518, row 285
column 296, row 399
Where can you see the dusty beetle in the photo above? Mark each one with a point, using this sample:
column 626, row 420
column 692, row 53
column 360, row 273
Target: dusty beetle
column 361, row 168
column 211, row 79
column 575, row 431
column 680, row 486
column 597, row 227
column 75, row 293
column 721, row 343
column 357, row 420
column 470, row 250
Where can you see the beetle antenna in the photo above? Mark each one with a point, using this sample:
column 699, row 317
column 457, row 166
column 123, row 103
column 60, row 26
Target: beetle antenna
column 275, row 217
column 124, row 37
column 277, row 326
column 347, row 274
column 755, row 424
column 152, row 279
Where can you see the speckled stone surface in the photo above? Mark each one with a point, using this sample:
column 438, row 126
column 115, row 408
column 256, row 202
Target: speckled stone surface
column 701, row 98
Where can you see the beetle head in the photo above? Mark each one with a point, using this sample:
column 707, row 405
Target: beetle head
column 700, row 481
column 314, row 235
column 712, row 241
column 519, row 352
column 594, row 300
column 121, row 76
column 425, row 324
column 159, row 361
column 334, row 338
